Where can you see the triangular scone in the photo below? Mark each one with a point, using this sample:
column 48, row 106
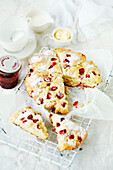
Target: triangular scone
column 31, row 121
column 47, row 89
column 89, row 74
column 76, row 70
column 69, row 135
column 45, row 61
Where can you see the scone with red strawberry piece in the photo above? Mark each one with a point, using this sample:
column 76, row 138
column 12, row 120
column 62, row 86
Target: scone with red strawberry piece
column 31, row 121
column 69, row 135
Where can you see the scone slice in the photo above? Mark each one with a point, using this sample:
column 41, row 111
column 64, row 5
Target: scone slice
column 31, row 121
column 69, row 58
column 89, row 74
column 45, row 61
column 69, row 135
column 48, row 90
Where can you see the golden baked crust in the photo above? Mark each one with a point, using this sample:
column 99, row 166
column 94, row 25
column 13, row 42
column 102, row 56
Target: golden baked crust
column 69, row 135
column 45, row 61
column 76, row 70
column 59, row 66
column 31, row 121
column 47, row 89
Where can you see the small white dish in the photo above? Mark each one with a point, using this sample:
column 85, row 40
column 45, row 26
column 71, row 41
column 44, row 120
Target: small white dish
column 14, row 33
column 27, row 50
column 39, row 20
column 67, row 32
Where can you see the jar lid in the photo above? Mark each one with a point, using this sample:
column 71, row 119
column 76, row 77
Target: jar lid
column 9, row 64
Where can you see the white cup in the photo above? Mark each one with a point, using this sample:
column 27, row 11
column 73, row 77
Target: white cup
column 14, row 33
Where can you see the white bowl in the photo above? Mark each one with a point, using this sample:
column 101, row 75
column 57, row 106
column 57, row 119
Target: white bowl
column 39, row 20
column 14, row 33
column 60, row 42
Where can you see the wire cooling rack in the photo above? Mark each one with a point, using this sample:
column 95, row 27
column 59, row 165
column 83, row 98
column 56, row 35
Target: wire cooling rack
column 45, row 149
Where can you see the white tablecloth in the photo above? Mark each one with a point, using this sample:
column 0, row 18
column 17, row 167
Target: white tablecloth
column 98, row 149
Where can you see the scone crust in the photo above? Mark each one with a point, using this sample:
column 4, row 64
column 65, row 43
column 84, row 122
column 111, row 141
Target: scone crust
column 20, row 118
column 69, row 135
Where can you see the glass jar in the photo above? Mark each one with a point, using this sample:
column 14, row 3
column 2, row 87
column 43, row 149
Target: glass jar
column 9, row 71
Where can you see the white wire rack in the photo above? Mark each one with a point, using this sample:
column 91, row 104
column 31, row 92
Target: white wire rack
column 45, row 149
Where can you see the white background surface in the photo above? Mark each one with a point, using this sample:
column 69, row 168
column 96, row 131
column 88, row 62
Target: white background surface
column 98, row 149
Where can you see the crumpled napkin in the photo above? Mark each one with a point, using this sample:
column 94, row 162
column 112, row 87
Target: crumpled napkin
column 86, row 18
column 96, row 105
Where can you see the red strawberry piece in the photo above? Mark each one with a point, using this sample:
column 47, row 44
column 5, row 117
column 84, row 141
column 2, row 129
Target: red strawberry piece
column 79, row 139
column 50, row 66
column 71, row 137
column 31, row 93
column 22, row 118
column 81, row 149
column 53, row 59
column 53, row 64
column 87, row 76
column 54, row 129
column 29, row 74
column 54, row 88
column 30, row 117
column 81, row 71
column 31, row 70
column 68, row 55
column 66, row 60
column 62, row 119
column 38, row 126
column 23, row 111
column 57, row 124
column 62, row 131
column 48, row 84
column 66, row 66
column 50, row 115
column 49, row 96
column 51, row 75
column 35, row 120
column 63, row 104
column 41, row 100
column 47, row 79
column 60, row 95
column 82, row 85
column 24, row 121
column 98, row 74
column 94, row 73
column 75, row 104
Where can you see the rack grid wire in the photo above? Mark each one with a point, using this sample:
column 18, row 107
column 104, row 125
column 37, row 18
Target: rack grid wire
column 48, row 149
column 45, row 149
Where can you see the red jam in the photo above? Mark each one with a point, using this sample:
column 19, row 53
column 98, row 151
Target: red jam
column 9, row 71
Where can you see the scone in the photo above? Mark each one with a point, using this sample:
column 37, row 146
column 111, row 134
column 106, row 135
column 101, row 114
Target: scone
column 45, row 61
column 69, row 135
column 47, row 89
column 31, row 121
column 76, row 70
column 89, row 74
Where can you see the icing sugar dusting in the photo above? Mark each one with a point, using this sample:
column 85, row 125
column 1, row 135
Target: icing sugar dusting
column 73, row 58
column 35, row 59
column 33, row 80
column 49, row 52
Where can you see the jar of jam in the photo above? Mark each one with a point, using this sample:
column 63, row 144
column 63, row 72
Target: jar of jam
column 9, row 71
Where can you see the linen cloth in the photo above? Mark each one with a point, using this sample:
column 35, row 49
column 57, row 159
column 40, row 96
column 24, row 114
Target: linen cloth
column 98, row 149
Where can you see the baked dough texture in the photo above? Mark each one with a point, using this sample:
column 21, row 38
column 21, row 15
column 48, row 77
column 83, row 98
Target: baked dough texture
column 31, row 121
column 69, row 135
column 51, row 70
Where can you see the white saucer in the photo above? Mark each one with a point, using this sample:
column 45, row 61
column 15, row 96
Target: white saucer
column 27, row 50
